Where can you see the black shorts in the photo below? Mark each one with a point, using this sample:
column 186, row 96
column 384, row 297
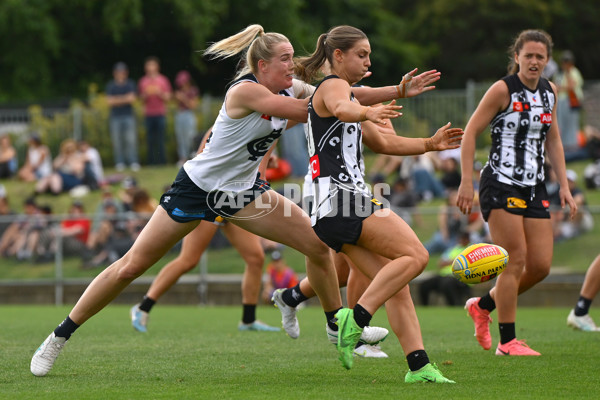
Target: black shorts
column 185, row 202
column 343, row 225
column 530, row 201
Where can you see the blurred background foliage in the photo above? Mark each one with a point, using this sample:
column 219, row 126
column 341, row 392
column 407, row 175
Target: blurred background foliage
column 55, row 49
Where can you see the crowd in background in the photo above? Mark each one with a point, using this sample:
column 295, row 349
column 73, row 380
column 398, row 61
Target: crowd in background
column 98, row 237
column 78, row 168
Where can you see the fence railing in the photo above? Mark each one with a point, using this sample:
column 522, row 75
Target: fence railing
column 67, row 269
column 422, row 115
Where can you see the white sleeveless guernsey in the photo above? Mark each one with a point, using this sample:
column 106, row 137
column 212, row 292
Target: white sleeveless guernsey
column 235, row 148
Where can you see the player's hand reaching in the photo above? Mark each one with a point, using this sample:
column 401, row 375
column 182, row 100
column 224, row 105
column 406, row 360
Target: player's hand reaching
column 447, row 138
column 381, row 113
column 412, row 85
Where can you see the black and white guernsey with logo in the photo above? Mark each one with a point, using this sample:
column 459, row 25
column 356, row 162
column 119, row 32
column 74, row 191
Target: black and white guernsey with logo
column 335, row 152
column 519, row 133
column 235, row 147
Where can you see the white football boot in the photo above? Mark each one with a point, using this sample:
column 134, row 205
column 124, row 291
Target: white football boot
column 44, row 357
column 583, row 323
column 369, row 351
column 370, row 335
column 288, row 315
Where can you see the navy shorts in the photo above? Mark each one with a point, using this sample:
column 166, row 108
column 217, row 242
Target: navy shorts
column 529, row 201
column 185, row 202
column 69, row 181
column 343, row 225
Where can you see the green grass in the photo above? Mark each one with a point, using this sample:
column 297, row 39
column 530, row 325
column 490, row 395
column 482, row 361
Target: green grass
column 192, row 352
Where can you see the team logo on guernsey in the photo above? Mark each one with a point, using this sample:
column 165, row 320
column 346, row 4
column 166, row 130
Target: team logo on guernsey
column 546, row 118
column 258, row 147
column 315, row 167
column 520, row 106
column 515, row 202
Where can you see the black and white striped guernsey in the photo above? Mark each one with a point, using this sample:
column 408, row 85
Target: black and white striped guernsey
column 519, row 133
column 335, row 151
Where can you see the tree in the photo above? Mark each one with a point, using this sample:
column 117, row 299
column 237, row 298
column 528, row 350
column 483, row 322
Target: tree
column 56, row 48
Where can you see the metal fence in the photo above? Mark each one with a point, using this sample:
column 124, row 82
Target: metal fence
column 585, row 243
column 422, row 115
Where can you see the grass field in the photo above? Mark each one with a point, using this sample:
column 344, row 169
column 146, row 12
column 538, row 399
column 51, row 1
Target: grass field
column 197, row 353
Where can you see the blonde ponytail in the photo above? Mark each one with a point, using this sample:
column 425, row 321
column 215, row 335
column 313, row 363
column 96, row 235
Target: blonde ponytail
column 253, row 40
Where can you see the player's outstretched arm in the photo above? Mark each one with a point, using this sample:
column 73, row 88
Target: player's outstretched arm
column 410, row 86
column 380, row 140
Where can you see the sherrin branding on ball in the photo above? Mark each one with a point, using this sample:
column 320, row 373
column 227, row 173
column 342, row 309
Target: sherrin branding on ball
column 479, row 263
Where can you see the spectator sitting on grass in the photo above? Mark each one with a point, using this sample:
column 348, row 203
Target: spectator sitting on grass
column 5, row 211
column 8, row 158
column 112, row 239
column 38, row 161
column 278, row 275
column 583, row 221
column 75, row 231
column 15, row 235
column 69, row 170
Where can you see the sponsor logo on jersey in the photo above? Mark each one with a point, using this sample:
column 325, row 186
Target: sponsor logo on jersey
column 376, row 202
column 545, row 203
column 315, row 167
column 482, row 252
column 520, row 106
column 546, row 118
column 265, row 116
column 515, row 202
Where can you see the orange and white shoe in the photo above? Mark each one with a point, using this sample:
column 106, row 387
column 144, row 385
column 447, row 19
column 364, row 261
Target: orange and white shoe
column 482, row 321
column 515, row 348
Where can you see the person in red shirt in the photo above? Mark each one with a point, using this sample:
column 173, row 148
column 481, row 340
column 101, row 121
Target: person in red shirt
column 75, row 230
column 279, row 275
column 155, row 91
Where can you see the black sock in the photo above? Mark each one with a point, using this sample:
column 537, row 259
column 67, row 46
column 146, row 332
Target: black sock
column 66, row 328
column 147, row 304
column 249, row 314
column 487, row 303
column 417, row 360
column 507, row 332
column 331, row 319
column 583, row 306
column 293, row 296
column 361, row 316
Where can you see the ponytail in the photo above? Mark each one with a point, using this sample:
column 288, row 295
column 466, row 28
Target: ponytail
column 308, row 68
column 341, row 37
column 253, row 40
